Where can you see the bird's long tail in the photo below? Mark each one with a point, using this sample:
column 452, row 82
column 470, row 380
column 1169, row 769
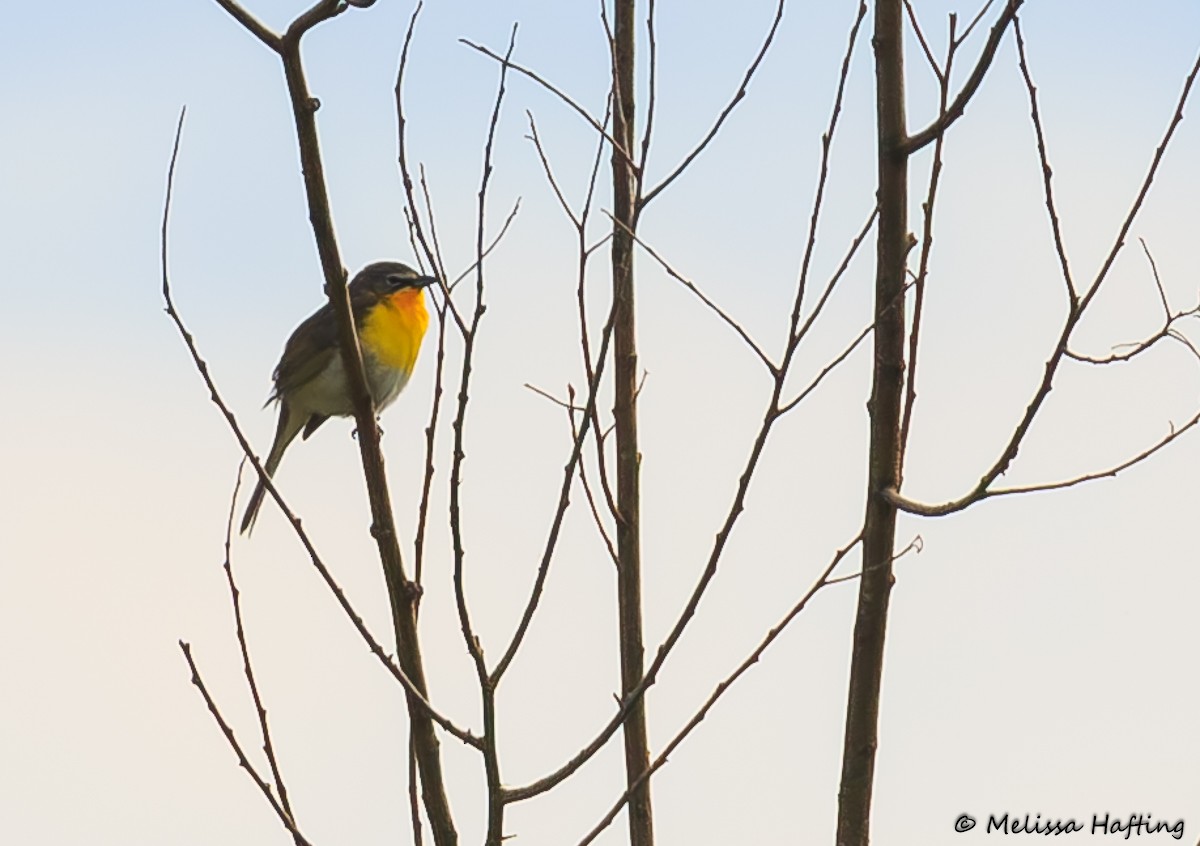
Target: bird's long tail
column 290, row 424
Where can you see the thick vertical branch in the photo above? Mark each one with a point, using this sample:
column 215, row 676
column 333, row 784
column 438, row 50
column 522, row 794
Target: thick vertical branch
column 383, row 527
column 625, row 367
column 866, row 670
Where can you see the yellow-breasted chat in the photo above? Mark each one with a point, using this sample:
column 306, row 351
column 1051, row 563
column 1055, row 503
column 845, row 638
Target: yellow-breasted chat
column 388, row 302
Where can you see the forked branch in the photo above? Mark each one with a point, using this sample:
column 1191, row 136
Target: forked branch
column 301, row 534
column 959, row 105
column 983, row 488
column 662, row 758
column 236, row 746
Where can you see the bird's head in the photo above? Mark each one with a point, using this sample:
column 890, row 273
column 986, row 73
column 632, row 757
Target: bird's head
column 385, row 279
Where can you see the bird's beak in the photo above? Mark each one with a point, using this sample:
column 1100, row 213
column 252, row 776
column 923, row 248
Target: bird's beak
column 425, row 281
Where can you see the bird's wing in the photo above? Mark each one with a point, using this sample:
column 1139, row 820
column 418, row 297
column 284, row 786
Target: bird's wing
column 307, row 352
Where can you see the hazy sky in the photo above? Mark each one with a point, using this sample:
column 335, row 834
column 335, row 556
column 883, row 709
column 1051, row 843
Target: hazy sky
column 1041, row 650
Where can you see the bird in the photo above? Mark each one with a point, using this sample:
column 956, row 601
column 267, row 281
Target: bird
column 387, row 299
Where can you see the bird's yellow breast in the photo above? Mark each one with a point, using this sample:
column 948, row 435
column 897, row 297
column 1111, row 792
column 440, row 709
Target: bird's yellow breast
column 393, row 328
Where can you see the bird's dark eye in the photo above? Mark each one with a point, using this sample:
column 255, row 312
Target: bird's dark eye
column 396, row 282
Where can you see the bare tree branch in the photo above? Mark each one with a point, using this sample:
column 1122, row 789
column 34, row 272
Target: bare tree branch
column 231, row 738
column 402, row 594
column 508, row 222
column 247, row 669
column 256, row 27
column 438, row 389
column 983, row 10
column 652, row 104
column 795, row 335
column 435, row 407
column 487, row 690
column 837, row 276
column 827, row 369
column 564, row 498
column 720, row 690
column 716, row 309
column 917, row 544
column 1048, row 189
column 437, row 244
column 933, row 64
column 771, row 415
column 569, row 405
column 956, row 108
column 587, row 489
column 202, row 368
column 1162, row 293
column 949, row 508
column 432, row 252
column 1009, row 452
column 1119, row 241
column 935, row 172
column 541, row 151
column 1167, row 332
column 644, row 200
column 578, row 109
column 414, row 802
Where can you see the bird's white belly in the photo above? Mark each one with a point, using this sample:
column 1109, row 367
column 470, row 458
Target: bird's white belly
column 326, row 392
column 386, row 382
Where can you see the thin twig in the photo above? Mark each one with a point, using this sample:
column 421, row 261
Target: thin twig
column 935, row 172
column 630, row 700
column 584, row 254
column 635, row 693
column 959, row 105
column 1047, row 186
column 432, row 255
column 652, row 98
column 572, row 409
column 541, row 151
column 430, row 443
column 691, row 286
column 564, row 498
column 1162, row 293
column 975, row 21
column 916, row 25
column 1123, row 234
column 917, row 544
column 569, row 406
column 252, row 24
column 1168, row 330
column 938, row 511
column 437, row 244
column 587, row 490
column 402, row 594
column 231, row 739
column 837, row 275
column 508, row 221
column 720, row 691
column 795, row 334
column 827, row 369
column 487, row 691
column 301, row 534
column 738, row 96
column 1009, row 452
column 414, row 803
column 411, row 225
column 235, row 598
column 838, row 359
column 594, row 374
column 578, row 109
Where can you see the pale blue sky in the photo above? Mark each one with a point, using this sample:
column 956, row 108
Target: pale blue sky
column 1040, row 649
